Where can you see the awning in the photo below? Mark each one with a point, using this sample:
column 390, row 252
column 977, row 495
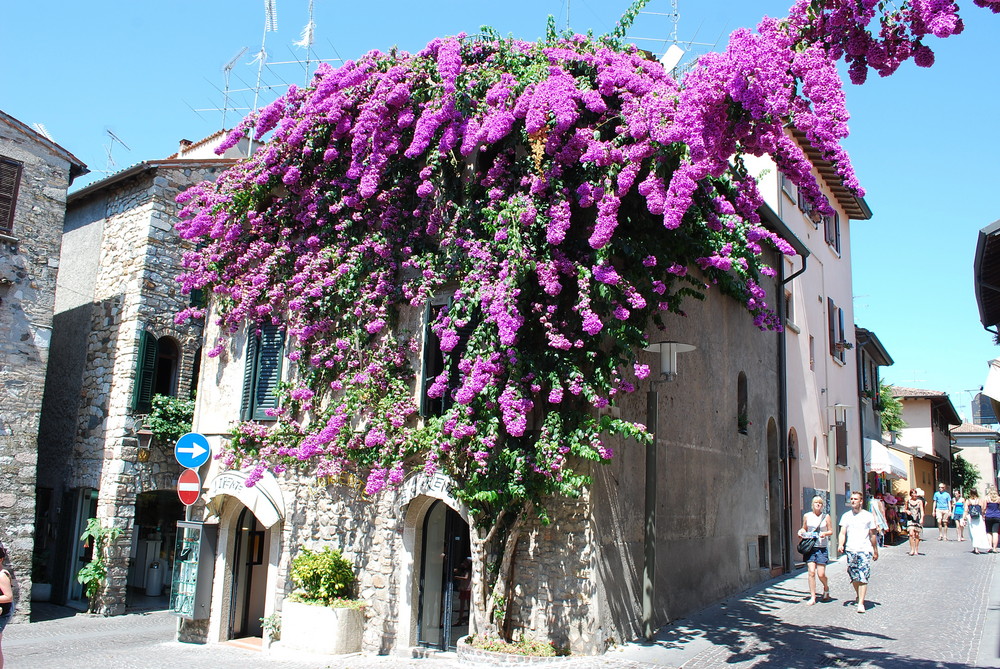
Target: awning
column 879, row 459
column 264, row 498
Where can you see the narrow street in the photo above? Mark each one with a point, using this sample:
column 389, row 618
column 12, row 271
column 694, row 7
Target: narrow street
column 939, row 609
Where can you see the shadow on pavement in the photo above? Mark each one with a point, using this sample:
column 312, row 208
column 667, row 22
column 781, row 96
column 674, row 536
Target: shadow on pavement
column 43, row 611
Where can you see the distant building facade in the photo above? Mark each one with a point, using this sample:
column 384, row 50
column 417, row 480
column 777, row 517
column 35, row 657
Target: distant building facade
column 35, row 173
column 116, row 346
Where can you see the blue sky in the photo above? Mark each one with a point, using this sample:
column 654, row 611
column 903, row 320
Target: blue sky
column 923, row 141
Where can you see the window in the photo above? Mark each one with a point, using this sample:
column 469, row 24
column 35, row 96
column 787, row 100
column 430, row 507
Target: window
column 788, row 187
column 806, row 208
column 434, row 361
column 195, row 372
column 262, row 373
column 812, row 353
column 156, row 369
column 831, row 225
column 789, row 306
column 841, row 431
column 10, row 181
column 835, row 323
column 742, row 405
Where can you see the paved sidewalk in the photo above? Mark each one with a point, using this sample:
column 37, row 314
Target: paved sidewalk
column 940, row 609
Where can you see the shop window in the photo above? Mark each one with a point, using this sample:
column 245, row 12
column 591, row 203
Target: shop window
column 262, row 373
column 10, row 182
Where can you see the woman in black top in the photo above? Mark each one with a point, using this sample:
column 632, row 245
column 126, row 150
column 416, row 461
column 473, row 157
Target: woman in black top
column 6, row 597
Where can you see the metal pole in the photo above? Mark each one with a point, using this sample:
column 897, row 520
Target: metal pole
column 649, row 540
column 831, row 456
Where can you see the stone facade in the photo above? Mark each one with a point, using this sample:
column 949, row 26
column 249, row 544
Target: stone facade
column 118, row 283
column 576, row 579
column 29, row 261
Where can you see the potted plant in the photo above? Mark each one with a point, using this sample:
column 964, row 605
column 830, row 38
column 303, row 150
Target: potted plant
column 321, row 615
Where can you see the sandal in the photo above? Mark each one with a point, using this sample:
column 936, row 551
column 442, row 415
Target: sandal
column 826, row 596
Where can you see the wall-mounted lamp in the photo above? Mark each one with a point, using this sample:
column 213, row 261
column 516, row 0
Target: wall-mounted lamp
column 667, row 351
column 145, row 437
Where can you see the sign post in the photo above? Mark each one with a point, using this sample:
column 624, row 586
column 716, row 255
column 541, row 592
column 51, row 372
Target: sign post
column 189, row 487
column 192, row 450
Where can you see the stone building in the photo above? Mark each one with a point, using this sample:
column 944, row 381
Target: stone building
column 116, row 346
column 578, row 578
column 34, row 175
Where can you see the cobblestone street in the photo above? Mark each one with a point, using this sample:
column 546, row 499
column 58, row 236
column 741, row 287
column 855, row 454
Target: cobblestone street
column 939, row 609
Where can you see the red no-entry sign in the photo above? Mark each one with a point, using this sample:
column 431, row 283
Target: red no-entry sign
column 189, row 487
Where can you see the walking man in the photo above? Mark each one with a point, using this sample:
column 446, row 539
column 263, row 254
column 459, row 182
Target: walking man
column 859, row 542
column 942, row 511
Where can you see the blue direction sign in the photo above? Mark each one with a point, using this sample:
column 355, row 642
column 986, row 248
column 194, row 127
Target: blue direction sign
column 192, row 450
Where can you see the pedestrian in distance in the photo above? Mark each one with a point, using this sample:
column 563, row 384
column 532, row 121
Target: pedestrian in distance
column 958, row 511
column 877, row 508
column 992, row 516
column 977, row 524
column 942, row 511
column 859, row 543
column 817, row 524
column 915, row 520
column 6, row 596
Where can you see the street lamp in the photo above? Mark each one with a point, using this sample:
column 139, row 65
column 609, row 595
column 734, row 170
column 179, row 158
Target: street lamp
column 667, row 351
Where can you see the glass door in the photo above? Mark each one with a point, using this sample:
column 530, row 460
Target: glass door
column 445, row 579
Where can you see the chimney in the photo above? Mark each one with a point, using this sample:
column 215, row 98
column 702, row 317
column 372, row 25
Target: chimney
column 185, row 143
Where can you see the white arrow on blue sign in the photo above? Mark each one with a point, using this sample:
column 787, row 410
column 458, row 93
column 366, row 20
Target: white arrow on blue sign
column 192, row 450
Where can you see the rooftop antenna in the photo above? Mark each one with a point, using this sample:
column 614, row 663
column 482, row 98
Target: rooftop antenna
column 110, row 146
column 307, row 38
column 674, row 52
column 270, row 25
column 227, row 69
column 42, row 130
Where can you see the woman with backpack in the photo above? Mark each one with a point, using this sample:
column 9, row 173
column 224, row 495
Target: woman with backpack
column 6, row 596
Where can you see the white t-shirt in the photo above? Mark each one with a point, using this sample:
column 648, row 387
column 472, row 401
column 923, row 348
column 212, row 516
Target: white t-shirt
column 813, row 528
column 859, row 526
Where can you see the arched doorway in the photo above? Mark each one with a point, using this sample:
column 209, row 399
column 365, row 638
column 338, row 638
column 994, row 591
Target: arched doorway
column 444, row 601
column 775, row 500
column 247, row 576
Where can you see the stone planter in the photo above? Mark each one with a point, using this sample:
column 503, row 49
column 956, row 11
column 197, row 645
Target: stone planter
column 467, row 655
column 320, row 629
column 41, row 592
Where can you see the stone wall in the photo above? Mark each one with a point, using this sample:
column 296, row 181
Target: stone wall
column 129, row 275
column 29, row 260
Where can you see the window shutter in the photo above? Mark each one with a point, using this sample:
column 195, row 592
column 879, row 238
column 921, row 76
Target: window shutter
column 249, row 375
column 841, row 353
column 268, row 371
column 842, row 443
column 145, row 373
column 836, row 226
column 10, row 181
column 831, row 316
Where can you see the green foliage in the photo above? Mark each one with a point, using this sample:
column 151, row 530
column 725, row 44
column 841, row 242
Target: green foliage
column 94, row 573
column 964, row 474
column 323, row 577
column 272, row 625
column 170, row 418
column 891, row 411
column 531, row 647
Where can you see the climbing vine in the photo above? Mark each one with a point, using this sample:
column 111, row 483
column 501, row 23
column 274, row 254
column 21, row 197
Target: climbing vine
column 562, row 195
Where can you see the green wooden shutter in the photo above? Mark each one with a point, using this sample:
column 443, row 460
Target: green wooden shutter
column 269, row 356
column 249, row 376
column 145, row 373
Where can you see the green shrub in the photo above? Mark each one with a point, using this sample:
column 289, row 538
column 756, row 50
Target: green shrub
column 531, row 647
column 323, row 576
column 170, row 418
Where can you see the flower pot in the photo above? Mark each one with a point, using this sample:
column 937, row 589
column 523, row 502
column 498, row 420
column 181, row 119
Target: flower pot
column 320, row 629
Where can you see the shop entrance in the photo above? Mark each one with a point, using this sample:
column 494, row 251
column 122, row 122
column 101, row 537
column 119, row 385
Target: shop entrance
column 445, row 603
column 248, row 577
column 151, row 557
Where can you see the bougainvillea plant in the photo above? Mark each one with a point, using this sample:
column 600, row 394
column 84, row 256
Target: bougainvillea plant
column 555, row 198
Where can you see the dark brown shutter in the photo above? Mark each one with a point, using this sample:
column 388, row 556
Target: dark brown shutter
column 831, row 319
column 10, row 182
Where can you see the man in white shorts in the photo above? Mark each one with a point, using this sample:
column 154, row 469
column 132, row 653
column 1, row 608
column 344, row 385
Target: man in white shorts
column 859, row 542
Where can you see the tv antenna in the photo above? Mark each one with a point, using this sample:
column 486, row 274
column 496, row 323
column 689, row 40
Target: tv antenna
column 42, row 130
column 111, row 145
column 673, row 54
column 227, row 69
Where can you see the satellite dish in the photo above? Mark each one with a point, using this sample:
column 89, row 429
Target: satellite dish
column 673, row 56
